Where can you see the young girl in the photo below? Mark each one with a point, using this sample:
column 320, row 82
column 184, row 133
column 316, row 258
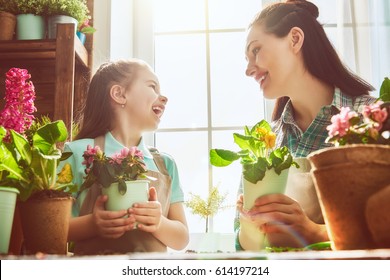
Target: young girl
column 124, row 100
column 293, row 61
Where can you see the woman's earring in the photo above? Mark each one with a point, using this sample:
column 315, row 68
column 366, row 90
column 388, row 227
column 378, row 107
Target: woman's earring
column 123, row 105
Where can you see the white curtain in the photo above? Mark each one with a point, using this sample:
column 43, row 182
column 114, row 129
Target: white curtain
column 363, row 36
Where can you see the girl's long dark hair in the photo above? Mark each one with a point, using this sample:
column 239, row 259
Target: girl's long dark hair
column 320, row 57
column 96, row 116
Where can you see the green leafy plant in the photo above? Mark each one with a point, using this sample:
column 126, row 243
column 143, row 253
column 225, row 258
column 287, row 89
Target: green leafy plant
column 77, row 9
column 16, row 7
column 127, row 165
column 384, row 92
column 208, row 207
column 33, row 168
column 257, row 154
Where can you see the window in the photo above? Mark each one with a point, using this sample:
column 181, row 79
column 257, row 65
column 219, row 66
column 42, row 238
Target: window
column 199, row 59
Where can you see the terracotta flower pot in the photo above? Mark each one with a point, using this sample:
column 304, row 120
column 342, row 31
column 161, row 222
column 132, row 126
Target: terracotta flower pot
column 359, row 153
column 378, row 218
column 8, row 24
column 344, row 189
column 45, row 223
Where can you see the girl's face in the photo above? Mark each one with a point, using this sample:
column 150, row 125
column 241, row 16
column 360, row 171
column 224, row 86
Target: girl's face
column 270, row 61
column 144, row 103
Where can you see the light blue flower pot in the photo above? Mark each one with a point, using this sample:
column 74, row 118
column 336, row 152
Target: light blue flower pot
column 30, row 27
column 7, row 209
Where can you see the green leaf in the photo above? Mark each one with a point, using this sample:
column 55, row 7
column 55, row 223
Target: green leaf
column 246, row 142
column 48, row 135
column 220, row 157
column 104, row 173
column 122, row 188
column 254, row 172
column 384, row 92
column 22, row 146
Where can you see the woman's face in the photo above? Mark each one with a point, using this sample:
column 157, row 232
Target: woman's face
column 271, row 61
column 144, row 102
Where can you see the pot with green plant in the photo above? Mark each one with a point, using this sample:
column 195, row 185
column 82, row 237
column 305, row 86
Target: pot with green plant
column 264, row 171
column 65, row 11
column 207, row 241
column 29, row 16
column 7, row 20
column 122, row 177
column 28, row 162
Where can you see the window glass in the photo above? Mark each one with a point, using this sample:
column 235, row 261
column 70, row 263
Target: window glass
column 236, row 99
column 178, row 15
column 180, row 64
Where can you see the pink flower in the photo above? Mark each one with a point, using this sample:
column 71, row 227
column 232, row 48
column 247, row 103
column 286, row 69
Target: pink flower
column 90, row 154
column 126, row 165
column 340, row 123
column 19, row 97
column 375, row 113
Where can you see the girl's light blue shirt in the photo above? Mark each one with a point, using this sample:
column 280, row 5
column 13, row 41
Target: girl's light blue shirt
column 112, row 146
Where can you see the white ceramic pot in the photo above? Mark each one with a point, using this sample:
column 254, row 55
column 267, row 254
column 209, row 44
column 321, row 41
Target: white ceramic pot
column 255, row 240
column 137, row 191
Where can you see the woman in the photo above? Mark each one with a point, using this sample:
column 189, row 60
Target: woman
column 293, row 61
column 123, row 101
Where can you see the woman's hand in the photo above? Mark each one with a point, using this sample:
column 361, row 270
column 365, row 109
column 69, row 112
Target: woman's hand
column 283, row 220
column 148, row 215
column 111, row 224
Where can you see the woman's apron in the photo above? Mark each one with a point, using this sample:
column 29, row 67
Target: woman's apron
column 134, row 240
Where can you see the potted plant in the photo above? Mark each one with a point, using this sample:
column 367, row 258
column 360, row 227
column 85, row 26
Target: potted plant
column 206, row 208
column 122, row 177
column 30, row 21
column 352, row 179
column 83, row 29
column 65, row 11
column 28, row 161
column 264, row 169
column 7, row 20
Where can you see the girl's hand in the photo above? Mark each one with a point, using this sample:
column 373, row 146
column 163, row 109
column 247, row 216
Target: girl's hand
column 148, row 214
column 111, row 224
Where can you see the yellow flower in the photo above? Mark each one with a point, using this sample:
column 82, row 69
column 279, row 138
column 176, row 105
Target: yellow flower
column 65, row 176
column 261, row 132
column 269, row 140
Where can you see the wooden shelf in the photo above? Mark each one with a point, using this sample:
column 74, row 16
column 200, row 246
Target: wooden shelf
column 59, row 68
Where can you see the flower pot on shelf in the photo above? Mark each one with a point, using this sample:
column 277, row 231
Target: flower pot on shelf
column 81, row 36
column 45, row 221
column 58, row 19
column 271, row 183
column 7, row 209
column 30, row 27
column 137, row 191
column 8, row 24
column 344, row 188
